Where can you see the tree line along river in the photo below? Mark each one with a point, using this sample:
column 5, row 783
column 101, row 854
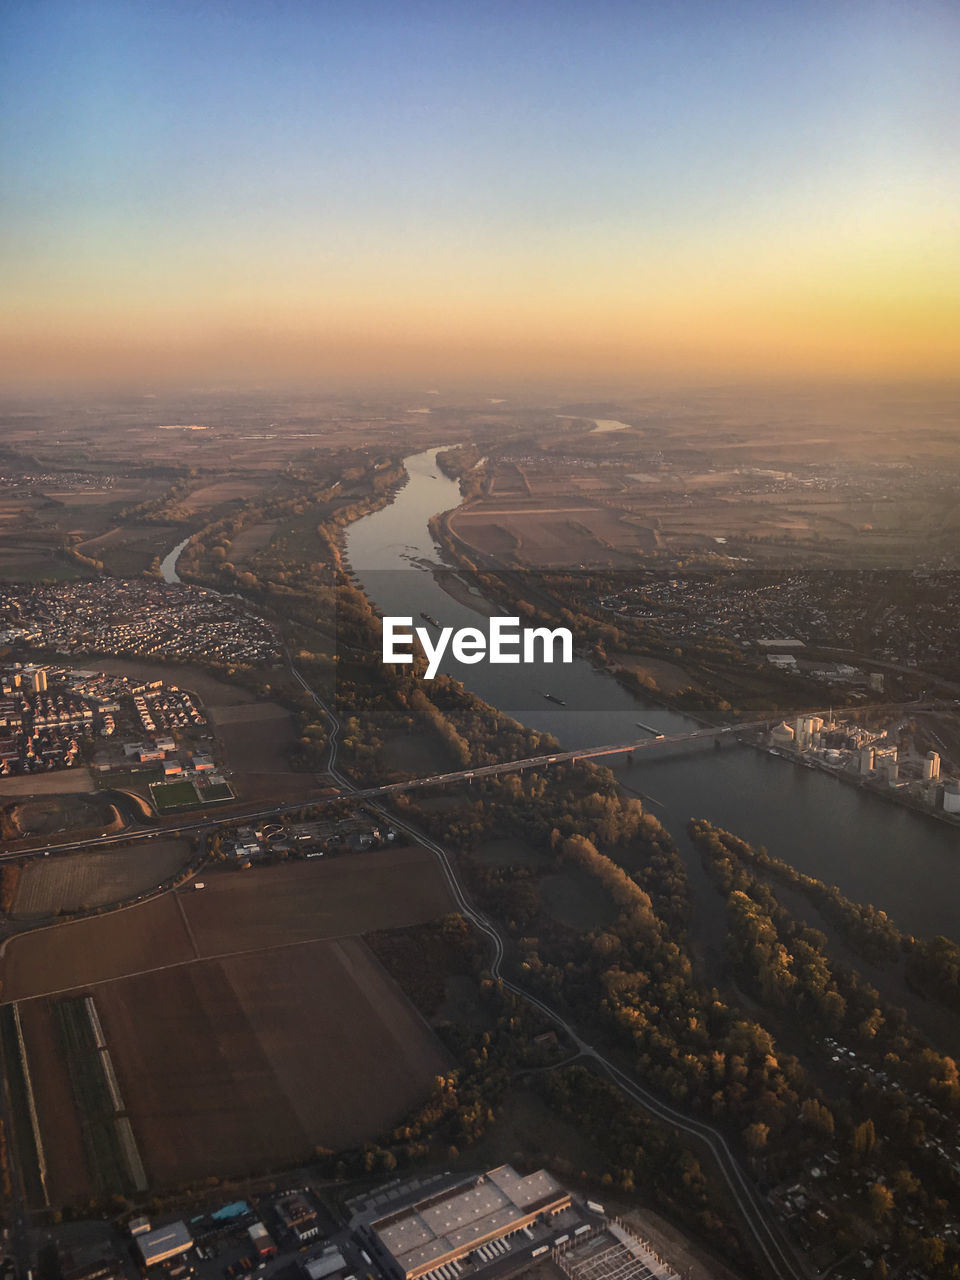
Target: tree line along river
column 875, row 851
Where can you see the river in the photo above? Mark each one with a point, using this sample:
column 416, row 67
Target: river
column 168, row 565
column 876, row 851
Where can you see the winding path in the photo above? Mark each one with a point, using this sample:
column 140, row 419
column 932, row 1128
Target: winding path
column 776, row 1252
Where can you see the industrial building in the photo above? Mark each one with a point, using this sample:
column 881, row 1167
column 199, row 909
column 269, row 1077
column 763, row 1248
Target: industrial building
column 783, row 736
column 448, row 1225
column 164, row 1243
column 261, row 1240
column 613, row 1254
column 326, row 1265
column 298, row 1218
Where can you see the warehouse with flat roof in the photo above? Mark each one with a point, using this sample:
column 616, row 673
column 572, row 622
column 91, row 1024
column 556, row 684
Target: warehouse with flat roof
column 449, row 1224
column 163, row 1243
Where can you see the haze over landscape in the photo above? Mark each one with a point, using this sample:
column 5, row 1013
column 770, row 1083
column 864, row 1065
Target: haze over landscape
column 479, row 640
column 451, row 191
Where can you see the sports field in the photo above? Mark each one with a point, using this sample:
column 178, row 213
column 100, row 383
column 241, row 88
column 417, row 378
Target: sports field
column 171, row 796
column 215, row 793
column 168, row 796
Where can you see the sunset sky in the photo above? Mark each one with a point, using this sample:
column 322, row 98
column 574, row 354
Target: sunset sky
column 294, row 188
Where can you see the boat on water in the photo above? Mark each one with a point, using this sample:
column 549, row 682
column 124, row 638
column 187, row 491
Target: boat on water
column 552, row 698
column 428, row 617
column 649, row 728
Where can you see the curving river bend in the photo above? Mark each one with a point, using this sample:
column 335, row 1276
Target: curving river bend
column 875, row 851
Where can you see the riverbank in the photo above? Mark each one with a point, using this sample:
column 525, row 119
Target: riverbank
column 168, row 565
column 877, row 854
column 865, row 785
column 464, row 594
column 451, row 547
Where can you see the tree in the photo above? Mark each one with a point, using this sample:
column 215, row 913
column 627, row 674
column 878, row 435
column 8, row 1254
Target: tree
column 930, row 1251
column 817, row 1116
column 864, row 1138
column 880, row 1200
column 755, row 1136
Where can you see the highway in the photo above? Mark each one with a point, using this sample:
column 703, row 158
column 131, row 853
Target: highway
column 372, row 794
column 756, row 1216
column 776, row 1252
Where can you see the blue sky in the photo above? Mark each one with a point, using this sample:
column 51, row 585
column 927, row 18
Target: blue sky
column 300, row 161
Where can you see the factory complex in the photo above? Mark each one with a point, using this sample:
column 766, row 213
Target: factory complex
column 442, row 1226
column 495, row 1224
column 888, row 757
column 438, row 1231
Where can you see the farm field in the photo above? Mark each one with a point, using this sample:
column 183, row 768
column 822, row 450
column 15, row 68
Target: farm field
column 237, row 912
column 25, row 563
column 19, row 1134
column 117, row 536
column 127, row 550
column 244, row 1027
column 423, row 754
column 558, row 535
column 255, row 738
column 254, row 735
column 241, row 1064
column 212, row 692
column 323, row 898
column 63, row 957
column 249, row 541
column 212, row 495
column 669, row 678
column 96, row 1103
column 60, row 782
column 507, row 851
column 14, row 510
column 96, row 879
column 115, row 496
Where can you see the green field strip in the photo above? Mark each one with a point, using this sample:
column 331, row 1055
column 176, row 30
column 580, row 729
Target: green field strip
column 24, row 1146
column 92, row 1095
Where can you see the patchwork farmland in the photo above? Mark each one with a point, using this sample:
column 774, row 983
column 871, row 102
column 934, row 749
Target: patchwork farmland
column 249, row 1062
column 246, row 1024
